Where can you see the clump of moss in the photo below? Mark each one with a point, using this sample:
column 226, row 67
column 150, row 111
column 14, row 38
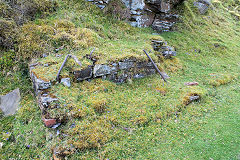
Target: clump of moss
column 160, row 116
column 33, row 40
column 89, row 135
column 5, row 10
column 162, row 90
column 98, row 102
column 141, row 120
column 1, row 113
column 8, row 33
column 218, row 80
column 172, row 65
column 190, row 92
column 7, row 60
column 76, row 37
column 79, row 111
column 25, row 113
column 48, row 67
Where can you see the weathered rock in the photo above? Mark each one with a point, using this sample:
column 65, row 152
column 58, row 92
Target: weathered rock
column 101, row 70
column 164, row 22
column 49, row 122
column 39, row 84
column 145, row 13
column 202, row 5
column 83, row 74
column 66, row 82
column 165, row 76
column 194, row 98
column 191, row 83
column 162, row 47
column 125, row 65
column 45, row 101
column 9, row 103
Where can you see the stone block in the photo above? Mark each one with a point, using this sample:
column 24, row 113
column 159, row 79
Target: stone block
column 83, row 74
column 101, row 70
column 9, row 103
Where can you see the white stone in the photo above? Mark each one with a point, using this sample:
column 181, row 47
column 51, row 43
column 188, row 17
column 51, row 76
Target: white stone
column 66, row 82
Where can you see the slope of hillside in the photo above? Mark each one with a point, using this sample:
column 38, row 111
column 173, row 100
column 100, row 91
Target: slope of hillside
column 140, row 119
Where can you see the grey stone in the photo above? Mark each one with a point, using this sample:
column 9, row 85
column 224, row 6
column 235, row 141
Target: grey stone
column 142, row 13
column 44, row 55
column 169, row 54
column 194, row 98
column 66, row 82
column 162, row 47
column 165, row 75
column 9, row 103
column 202, row 5
column 137, row 76
column 45, row 65
column 83, row 74
column 101, row 70
column 46, row 100
column 39, row 84
column 125, row 65
column 101, row 6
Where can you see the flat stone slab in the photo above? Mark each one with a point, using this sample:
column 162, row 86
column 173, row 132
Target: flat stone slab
column 9, row 103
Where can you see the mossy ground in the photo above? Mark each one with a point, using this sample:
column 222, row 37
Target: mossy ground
column 143, row 119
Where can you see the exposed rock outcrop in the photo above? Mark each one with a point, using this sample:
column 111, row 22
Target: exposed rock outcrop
column 158, row 14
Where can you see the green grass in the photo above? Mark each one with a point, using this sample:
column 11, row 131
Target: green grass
column 142, row 119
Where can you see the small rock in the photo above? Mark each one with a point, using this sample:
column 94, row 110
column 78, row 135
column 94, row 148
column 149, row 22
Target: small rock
column 191, row 83
column 101, row 6
column 1, row 145
column 194, row 98
column 56, row 125
column 202, row 5
column 66, row 82
column 44, row 55
column 165, row 75
column 9, row 103
column 49, row 122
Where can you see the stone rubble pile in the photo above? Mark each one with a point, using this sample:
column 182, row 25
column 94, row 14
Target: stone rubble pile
column 162, row 47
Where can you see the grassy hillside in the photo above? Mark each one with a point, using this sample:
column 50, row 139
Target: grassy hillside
column 141, row 119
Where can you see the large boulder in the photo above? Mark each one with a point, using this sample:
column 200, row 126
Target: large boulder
column 9, row 103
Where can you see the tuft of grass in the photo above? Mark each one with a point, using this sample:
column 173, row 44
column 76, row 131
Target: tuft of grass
column 220, row 79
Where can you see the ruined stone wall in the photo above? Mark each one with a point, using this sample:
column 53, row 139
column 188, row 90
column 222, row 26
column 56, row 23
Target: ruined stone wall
column 118, row 71
column 157, row 14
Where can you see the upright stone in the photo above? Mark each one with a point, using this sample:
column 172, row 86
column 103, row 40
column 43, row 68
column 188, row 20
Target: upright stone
column 9, row 103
